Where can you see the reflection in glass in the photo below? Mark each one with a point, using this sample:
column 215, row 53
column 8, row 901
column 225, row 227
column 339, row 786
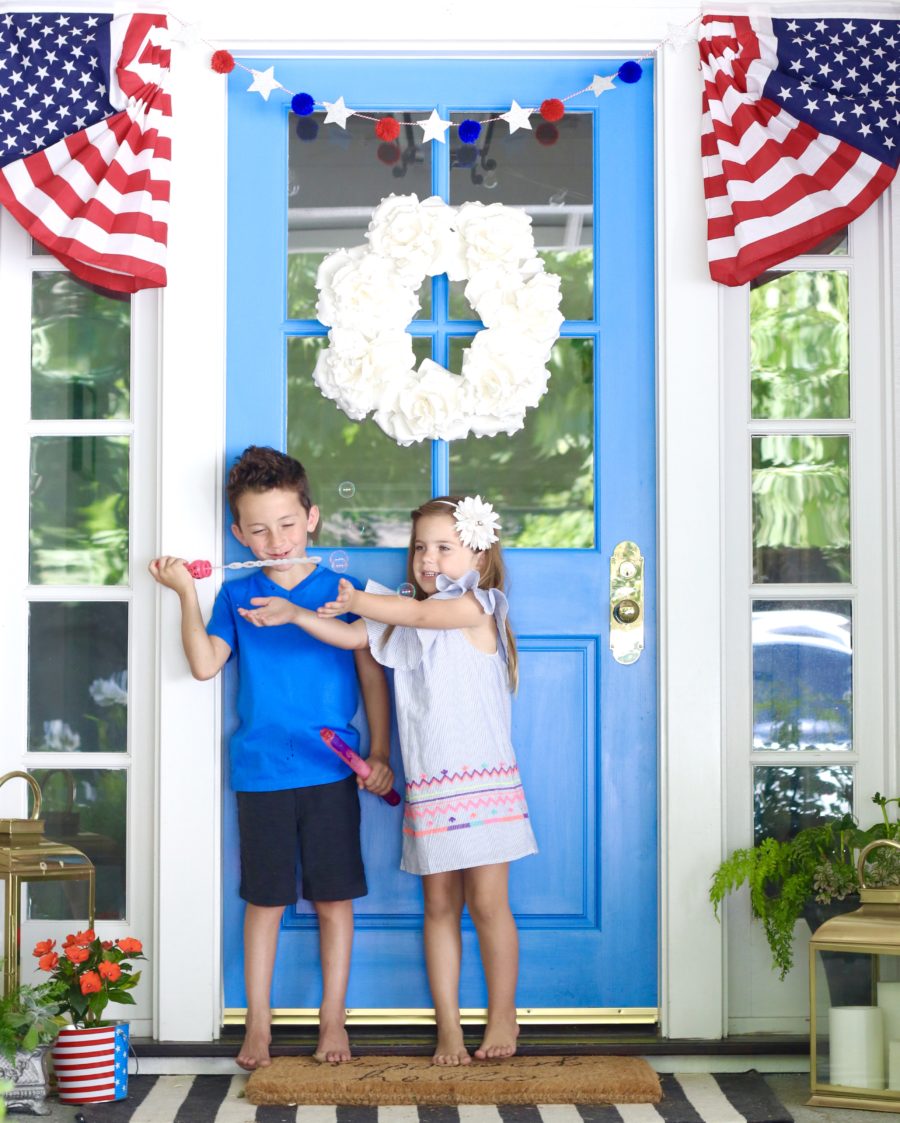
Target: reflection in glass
column 802, row 675
column 79, row 511
column 85, row 808
column 801, row 508
column 363, row 482
column 80, row 349
column 336, row 178
column 800, row 345
column 77, row 676
column 785, row 800
column 549, row 172
column 541, row 478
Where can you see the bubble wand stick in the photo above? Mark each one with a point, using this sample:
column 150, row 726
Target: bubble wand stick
column 200, row 568
column 356, row 762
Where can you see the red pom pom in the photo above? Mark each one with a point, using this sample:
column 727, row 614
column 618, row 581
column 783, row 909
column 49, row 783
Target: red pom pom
column 222, row 62
column 552, row 109
column 387, row 129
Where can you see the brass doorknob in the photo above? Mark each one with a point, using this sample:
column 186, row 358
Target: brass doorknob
column 627, row 611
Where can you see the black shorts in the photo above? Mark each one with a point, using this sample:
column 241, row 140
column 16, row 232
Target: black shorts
column 324, row 819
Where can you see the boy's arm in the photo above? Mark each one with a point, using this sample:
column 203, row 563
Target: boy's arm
column 270, row 612
column 461, row 612
column 206, row 654
column 374, row 688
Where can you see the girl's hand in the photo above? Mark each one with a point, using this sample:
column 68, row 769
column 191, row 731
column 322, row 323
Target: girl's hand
column 380, row 780
column 344, row 602
column 171, row 572
column 270, row 612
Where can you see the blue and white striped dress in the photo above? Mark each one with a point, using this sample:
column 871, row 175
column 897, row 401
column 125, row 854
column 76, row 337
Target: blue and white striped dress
column 465, row 805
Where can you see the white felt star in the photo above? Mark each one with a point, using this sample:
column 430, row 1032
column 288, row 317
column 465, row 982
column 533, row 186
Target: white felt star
column 337, row 113
column 679, row 35
column 434, row 128
column 264, row 82
column 517, row 117
column 601, row 84
column 189, row 34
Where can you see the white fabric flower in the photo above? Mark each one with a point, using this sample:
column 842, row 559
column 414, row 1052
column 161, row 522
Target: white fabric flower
column 476, row 523
column 495, row 235
column 419, row 238
column 367, row 294
column 427, row 405
column 355, row 371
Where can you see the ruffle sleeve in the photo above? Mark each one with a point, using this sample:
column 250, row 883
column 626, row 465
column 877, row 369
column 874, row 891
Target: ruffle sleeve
column 493, row 601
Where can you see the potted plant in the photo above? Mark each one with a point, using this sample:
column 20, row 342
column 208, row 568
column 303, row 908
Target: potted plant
column 810, row 876
column 29, row 1023
column 85, row 976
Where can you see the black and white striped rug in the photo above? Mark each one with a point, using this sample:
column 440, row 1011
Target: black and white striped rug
column 687, row 1098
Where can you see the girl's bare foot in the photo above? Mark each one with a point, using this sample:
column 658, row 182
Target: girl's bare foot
column 255, row 1050
column 499, row 1040
column 334, row 1044
column 450, row 1049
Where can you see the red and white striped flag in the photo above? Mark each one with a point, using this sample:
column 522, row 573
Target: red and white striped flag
column 91, row 1065
column 801, row 132
column 85, row 140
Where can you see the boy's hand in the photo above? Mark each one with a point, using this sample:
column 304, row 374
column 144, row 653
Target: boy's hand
column 270, row 612
column 344, row 602
column 380, row 780
column 171, row 572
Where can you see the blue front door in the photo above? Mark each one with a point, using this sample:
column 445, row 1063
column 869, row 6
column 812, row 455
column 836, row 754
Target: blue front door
column 578, row 479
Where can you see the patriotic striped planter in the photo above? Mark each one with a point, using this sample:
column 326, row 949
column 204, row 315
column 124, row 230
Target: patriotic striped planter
column 91, row 1065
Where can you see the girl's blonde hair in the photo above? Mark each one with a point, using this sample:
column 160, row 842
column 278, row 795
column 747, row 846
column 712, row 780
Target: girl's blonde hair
column 491, row 574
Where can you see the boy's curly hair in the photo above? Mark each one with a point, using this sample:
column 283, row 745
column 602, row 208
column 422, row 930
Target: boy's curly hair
column 261, row 468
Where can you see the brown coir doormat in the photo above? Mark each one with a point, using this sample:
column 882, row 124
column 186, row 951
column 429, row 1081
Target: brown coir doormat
column 415, row 1080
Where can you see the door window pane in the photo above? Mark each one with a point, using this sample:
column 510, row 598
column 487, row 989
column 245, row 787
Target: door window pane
column 549, row 172
column 802, row 675
column 541, row 478
column 785, row 800
column 80, row 349
column 364, row 484
column 79, row 511
column 77, row 677
column 801, row 508
column 85, row 808
column 336, row 178
column 800, row 345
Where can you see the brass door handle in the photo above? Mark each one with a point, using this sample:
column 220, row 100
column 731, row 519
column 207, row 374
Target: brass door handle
column 626, row 603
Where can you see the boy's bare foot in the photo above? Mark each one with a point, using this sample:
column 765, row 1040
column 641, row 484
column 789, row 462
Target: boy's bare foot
column 499, row 1040
column 334, row 1044
column 450, row 1049
column 255, row 1049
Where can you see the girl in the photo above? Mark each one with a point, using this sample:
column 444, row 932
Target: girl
column 465, row 816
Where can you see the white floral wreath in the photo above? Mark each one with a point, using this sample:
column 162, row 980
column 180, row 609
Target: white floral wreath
column 369, row 294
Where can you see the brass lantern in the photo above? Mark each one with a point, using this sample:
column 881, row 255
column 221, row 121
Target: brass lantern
column 854, row 999
column 25, row 855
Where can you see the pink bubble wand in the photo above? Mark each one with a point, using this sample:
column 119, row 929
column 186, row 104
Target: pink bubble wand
column 200, row 568
column 356, row 762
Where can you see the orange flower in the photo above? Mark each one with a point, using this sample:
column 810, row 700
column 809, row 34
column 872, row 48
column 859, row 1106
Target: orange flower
column 110, row 971
column 86, row 937
column 76, row 954
column 90, row 982
column 106, row 944
column 130, row 946
column 43, row 947
column 49, row 961
column 68, row 941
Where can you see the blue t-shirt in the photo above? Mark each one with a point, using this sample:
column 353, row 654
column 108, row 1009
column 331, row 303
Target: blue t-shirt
column 289, row 686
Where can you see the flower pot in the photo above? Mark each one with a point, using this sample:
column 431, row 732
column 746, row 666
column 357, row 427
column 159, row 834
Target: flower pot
column 28, row 1075
column 849, row 974
column 91, row 1065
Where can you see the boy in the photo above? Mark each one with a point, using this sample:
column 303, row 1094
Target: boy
column 288, row 784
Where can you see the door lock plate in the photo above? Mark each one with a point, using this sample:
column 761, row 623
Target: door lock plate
column 626, row 603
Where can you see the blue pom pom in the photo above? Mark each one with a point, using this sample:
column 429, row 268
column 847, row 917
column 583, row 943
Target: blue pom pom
column 306, row 129
column 630, row 72
column 469, row 131
column 303, row 104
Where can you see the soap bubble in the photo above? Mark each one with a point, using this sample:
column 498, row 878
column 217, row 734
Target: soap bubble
column 339, row 561
column 346, row 489
column 406, row 590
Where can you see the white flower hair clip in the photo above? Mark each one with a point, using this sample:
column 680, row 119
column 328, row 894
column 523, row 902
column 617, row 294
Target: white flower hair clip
column 476, row 523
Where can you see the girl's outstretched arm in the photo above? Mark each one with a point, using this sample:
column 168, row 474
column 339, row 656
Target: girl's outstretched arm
column 461, row 612
column 268, row 612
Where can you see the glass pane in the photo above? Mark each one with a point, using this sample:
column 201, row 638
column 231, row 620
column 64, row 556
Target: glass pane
column 80, row 349
column 336, row 178
column 802, row 675
column 79, row 511
column 785, row 800
column 85, row 808
column 801, row 508
column 77, row 677
column 363, row 482
column 549, row 172
column 800, row 345
column 541, row 478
